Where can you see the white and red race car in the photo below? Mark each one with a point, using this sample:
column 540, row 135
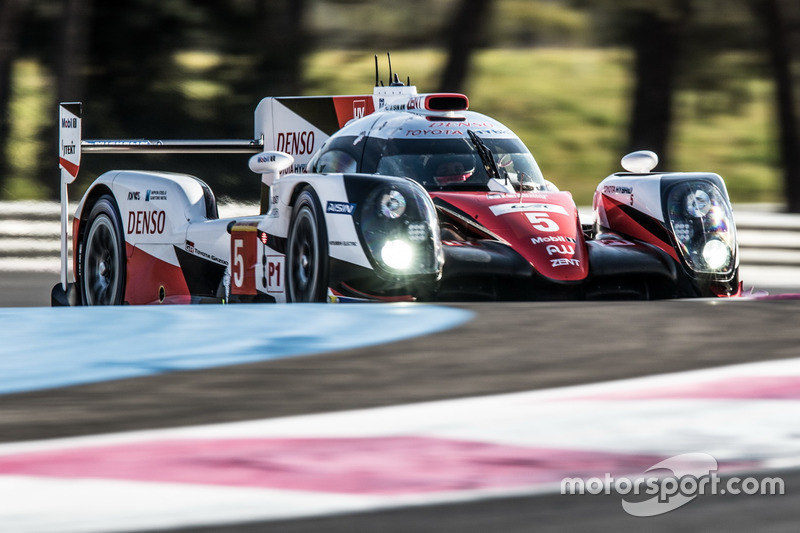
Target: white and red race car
column 393, row 196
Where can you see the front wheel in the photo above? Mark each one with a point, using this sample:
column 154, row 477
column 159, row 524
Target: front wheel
column 307, row 253
column 103, row 260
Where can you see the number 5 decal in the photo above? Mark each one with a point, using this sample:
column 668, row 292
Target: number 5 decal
column 542, row 222
column 238, row 263
column 243, row 260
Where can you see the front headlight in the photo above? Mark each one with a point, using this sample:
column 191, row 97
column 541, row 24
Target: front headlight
column 702, row 222
column 397, row 254
column 398, row 223
column 716, row 254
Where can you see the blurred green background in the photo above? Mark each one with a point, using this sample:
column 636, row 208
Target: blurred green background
column 561, row 73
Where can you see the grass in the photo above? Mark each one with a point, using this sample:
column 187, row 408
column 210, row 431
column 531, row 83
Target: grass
column 570, row 106
column 31, row 113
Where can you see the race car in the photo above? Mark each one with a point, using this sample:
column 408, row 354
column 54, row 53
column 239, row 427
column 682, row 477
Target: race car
column 393, row 196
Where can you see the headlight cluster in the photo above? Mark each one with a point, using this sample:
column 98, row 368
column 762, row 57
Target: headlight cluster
column 702, row 222
column 399, row 226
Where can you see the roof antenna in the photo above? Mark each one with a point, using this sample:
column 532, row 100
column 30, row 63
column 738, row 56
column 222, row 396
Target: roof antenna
column 389, row 56
column 376, row 70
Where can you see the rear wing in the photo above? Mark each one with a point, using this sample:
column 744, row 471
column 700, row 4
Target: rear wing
column 72, row 146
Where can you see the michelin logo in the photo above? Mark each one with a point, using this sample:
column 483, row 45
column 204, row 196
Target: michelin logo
column 340, row 208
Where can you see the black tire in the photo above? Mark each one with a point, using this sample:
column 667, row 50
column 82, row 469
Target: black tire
column 307, row 251
column 103, row 258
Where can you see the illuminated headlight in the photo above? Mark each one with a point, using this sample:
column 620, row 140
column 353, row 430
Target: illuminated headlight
column 702, row 223
column 393, row 204
column 397, row 254
column 397, row 222
column 716, row 254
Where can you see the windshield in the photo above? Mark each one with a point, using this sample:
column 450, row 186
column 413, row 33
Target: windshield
column 453, row 163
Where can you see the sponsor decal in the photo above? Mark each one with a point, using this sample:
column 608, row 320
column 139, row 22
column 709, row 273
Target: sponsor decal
column 504, row 209
column 68, row 149
column 190, row 247
column 563, row 249
column 434, row 133
column 146, row 222
column 134, row 195
column 296, row 142
column 617, row 189
column 151, row 195
column 359, row 108
column 341, row 208
column 69, row 141
column 416, row 103
column 470, row 125
column 459, row 129
column 343, row 243
column 210, row 257
column 274, row 273
column 552, row 238
column 565, row 262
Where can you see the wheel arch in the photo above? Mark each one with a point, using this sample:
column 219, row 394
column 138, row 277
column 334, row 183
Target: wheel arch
column 298, row 188
column 90, row 198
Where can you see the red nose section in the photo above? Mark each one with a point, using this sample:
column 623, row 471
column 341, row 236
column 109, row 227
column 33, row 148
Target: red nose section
column 542, row 227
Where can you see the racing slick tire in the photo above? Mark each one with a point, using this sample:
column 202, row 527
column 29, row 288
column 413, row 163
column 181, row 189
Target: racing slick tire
column 307, row 251
column 103, row 257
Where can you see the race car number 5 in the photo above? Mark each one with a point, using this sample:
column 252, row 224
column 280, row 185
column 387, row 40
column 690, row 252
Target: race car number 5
column 542, row 222
column 243, row 261
column 238, row 263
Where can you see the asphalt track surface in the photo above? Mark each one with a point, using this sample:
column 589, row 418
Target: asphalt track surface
column 507, row 347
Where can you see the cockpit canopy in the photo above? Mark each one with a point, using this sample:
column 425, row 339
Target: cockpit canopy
column 438, row 154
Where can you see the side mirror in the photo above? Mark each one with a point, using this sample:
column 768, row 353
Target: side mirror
column 640, row 162
column 270, row 165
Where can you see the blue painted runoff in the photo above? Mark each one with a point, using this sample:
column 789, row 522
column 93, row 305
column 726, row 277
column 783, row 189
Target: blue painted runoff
column 44, row 348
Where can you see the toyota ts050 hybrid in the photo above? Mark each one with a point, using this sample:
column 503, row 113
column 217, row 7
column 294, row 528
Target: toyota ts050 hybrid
column 392, row 196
